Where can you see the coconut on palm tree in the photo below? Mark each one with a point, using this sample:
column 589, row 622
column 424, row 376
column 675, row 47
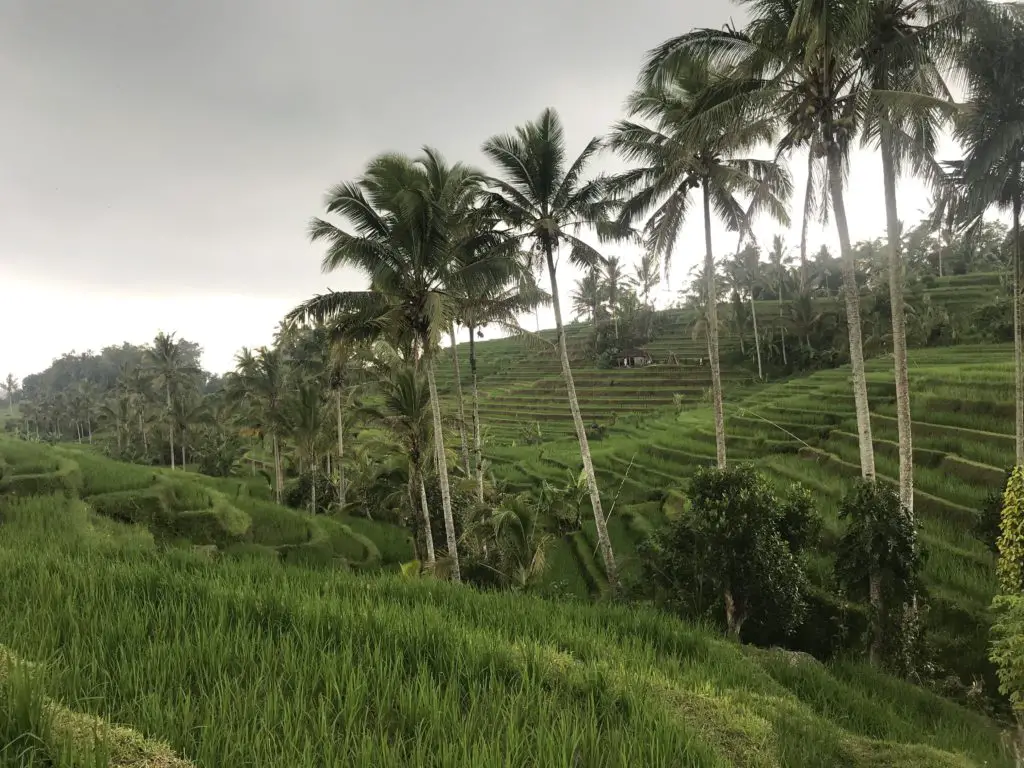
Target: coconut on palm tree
column 545, row 199
column 680, row 151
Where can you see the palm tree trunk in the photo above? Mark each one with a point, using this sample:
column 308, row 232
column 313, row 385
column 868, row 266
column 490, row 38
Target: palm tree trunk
column 278, row 471
column 428, row 535
column 603, row 539
column 88, row 426
column 757, row 339
column 463, row 442
column 313, row 502
column 182, row 452
column 782, row 327
column 860, row 387
column 170, row 424
column 899, row 327
column 477, row 442
column 716, row 371
column 442, row 472
column 341, row 448
column 119, row 437
column 808, row 194
column 1018, row 352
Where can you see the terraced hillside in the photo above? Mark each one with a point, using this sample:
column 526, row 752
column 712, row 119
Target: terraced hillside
column 805, row 430
column 520, row 379
column 147, row 658
column 231, row 515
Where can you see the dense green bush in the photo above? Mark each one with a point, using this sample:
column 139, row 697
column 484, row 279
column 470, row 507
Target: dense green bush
column 879, row 561
column 734, row 552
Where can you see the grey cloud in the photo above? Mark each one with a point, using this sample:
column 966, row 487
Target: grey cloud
column 182, row 146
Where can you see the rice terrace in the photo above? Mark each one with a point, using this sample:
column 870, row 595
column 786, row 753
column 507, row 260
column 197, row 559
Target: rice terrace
column 774, row 520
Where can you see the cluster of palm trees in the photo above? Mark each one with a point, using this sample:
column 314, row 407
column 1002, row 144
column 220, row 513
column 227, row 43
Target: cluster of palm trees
column 809, row 76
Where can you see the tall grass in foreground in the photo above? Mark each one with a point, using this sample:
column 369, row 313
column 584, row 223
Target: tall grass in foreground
column 250, row 663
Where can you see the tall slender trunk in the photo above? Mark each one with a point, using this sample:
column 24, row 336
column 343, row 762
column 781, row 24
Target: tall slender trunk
column 278, row 470
column 463, row 442
column 716, row 371
column 899, row 327
column 808, row 194
column 940, row 249
column 119, row 437
column 88, row 426
column 603, row 539
column 341, row 448
column 782, row 327
column 757, row 339
column 313, row 501
column 442, row 472
column 183, row 452
column 428, row 534
column 477, row 442
column 170, row 424
column 142, row 431
column 852, row 294
column 1018, row 353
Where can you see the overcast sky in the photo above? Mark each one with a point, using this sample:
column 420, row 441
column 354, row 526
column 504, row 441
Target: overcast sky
column 159, row 161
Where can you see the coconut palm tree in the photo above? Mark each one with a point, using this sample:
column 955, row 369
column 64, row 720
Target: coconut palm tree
column 545, row 200
column 306, row 423
column 991, row 130
column 612, row 281
column 586, row 297
column 510, row 291
column 798, row 65
column 405, row 411
column 907, row 45
column 170, row 367
column 409, row 220
column 779, row 263
column 260, row 384
column 646, row 276
column 10, row 387
column 679, row 152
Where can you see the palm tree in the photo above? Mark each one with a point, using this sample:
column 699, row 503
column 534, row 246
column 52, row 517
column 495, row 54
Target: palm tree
column 260, row 384
column 545, row 201
column 170, row 367
column 587, row 297
column 611, row 283
column 907, row 44
column 406, row 412
column 749, row 263
column 779, row 262
column 410, row 218
column 797, row 65
column 510, row 291
column 10, row 386
column 646, row 276
column 991, row 129
column 679, row 152
column 306, row 424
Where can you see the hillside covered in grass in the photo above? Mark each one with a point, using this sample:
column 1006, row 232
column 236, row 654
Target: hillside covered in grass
column 246, row 661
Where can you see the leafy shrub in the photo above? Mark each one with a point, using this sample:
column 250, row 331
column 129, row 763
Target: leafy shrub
column 1008, row 647
column 879, row 561
column 298, row 492
column 735, row 546
column 990, row 515
column 1010, row 566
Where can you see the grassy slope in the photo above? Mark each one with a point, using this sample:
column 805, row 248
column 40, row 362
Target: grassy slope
column 233, row 514
column 248, row 662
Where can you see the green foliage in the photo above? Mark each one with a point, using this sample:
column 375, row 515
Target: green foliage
column 447, row 667
column 739, row 545
column 1010, row 566
column 879, row 561
column 1008, row 647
